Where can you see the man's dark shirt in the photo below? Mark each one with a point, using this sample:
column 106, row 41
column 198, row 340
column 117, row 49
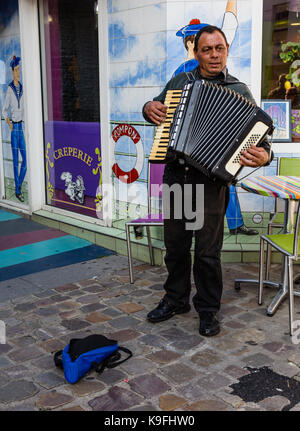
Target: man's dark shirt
column 224, row 78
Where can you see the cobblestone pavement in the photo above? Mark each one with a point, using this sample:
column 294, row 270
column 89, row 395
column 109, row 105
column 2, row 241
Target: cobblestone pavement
column 173, row 368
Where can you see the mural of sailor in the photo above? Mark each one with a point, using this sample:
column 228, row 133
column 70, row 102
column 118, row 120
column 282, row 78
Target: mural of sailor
column 13, row 112
column 188, row 33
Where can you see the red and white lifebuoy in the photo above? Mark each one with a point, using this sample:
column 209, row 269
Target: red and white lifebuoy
column 133, row 134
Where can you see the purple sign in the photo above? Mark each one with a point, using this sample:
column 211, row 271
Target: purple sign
column 74, row 166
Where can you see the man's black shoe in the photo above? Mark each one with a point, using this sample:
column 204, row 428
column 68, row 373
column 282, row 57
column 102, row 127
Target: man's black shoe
column 209, row 325
column 243, row 230
column 165, row 311
column 20, row 197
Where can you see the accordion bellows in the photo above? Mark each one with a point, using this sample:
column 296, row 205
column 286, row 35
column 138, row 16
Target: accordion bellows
column 209, row 126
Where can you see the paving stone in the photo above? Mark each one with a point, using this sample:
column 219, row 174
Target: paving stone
column 235, row 371
column 25, row 307
column 130, row 307
column 187, row 343
column 140, row 293
column 206, row 357
column 171, row 402
column 249, row 334
column 86, row 387
column 74, row 324
column 66, row 288
column 257, row 360
column 24, row 354
column 124, row 322
column 67, row 315
column 153, row 340
column 214, row 381
column 111, row 376
column 44, row 302
column 92, row 307
column 52, row 400
column 68, row 305
column 208, row 405
column 173, row 334
column 143, row 283
column 234, row 324
column 296, row 408
column 17, row 390
column 148, row 385
column 45, row 363
column 273, row 347
column 96, row 317
column 276, row 403
column 136, row 366
column 144, row 408
column 27, row 340
column 52, row 345
column 59, row 298
column 4, row 379
column 49, row 311
column 88, row 299
column 295, row 359
column 125, row 335
column 164, row 356
column 95, row 288
column 5, row 348
column 17, row 371
column 116, row 399
column 112, row 312
column 194, row 391
column 49, row 380
column 178, row 372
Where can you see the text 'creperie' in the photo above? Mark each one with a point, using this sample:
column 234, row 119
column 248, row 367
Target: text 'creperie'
column 72, row 152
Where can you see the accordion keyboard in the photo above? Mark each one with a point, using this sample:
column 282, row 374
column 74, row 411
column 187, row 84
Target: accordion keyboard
column 162, row 135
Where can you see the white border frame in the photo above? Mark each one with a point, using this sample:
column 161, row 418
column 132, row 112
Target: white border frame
column 104, row 126
column 30, row 49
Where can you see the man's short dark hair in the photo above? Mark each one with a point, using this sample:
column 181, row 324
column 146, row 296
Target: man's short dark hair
column 208, row 29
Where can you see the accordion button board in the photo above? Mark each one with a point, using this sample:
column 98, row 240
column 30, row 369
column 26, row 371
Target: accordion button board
column 162, row 136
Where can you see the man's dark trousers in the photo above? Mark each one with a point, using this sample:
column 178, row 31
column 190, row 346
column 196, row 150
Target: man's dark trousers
column 208, row 243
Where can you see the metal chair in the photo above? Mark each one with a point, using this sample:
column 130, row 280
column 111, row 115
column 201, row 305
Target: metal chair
column 285, row 166
column 289, row 245
column 155, row 175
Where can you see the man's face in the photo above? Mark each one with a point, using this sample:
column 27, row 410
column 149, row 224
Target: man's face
column 16, row 73
column 212, row 53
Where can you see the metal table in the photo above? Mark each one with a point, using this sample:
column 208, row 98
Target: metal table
column 283, row 187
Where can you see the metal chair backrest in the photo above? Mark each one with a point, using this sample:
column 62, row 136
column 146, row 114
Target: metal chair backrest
column 289, row 166
column 155, row 180
column 297, row 234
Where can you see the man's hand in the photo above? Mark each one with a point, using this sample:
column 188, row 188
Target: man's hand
column 156, row 111
column 254, row 157
column 9, row 123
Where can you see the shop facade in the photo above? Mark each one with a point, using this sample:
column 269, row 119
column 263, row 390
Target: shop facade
column 80, row 73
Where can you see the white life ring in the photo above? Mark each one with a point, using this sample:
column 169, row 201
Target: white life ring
column 133, row 134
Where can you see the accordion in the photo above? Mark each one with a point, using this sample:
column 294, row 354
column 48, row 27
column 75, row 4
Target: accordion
column 209, row 125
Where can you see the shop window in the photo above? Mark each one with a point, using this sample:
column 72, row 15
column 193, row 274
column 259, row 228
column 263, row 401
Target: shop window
column 281, row 57
column 70, row 71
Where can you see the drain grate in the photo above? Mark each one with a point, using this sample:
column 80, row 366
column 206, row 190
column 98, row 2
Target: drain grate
column 262, row 383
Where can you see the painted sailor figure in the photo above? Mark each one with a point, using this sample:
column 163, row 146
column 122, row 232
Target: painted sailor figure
column 14, row 105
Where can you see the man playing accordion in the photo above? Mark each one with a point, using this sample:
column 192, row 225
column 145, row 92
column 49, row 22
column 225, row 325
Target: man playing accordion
column 211, row 51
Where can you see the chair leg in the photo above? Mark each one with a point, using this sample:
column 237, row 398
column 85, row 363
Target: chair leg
column 291, row 293
column 268, row 258
column 261, row 270
column 150, row 245
column 129, row 253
